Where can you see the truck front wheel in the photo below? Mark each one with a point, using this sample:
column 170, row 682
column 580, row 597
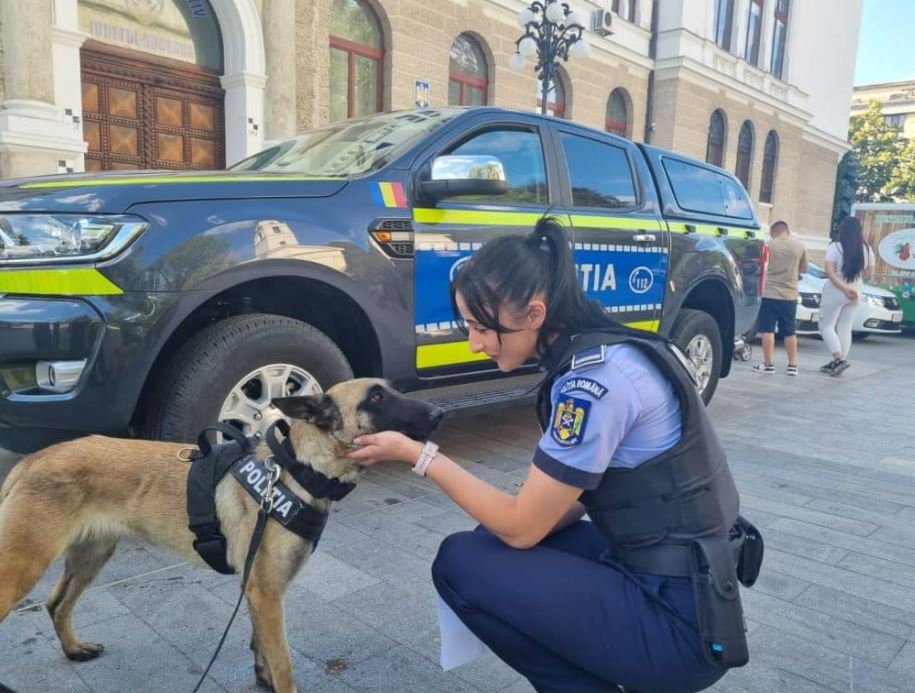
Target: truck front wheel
column 697, row 334
column 233, row 369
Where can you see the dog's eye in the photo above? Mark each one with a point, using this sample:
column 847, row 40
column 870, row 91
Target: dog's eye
column 377, row 397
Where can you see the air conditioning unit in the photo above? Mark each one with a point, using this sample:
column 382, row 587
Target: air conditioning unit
column 601, row 21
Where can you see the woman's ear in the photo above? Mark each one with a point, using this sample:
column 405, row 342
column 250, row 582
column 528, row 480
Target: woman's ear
column 536, row 313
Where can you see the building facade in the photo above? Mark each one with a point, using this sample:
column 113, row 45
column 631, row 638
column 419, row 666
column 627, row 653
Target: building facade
column 759, row 87
column 896, row 99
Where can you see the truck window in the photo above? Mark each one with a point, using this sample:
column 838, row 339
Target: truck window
column 600, row 173
column 701, row 189
column 521, row 154
column 695, row 187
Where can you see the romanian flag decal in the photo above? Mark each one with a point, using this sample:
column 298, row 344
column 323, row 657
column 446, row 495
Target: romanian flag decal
column 390, row 195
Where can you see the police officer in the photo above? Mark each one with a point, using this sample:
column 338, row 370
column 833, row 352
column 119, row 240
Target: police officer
column 575, row 605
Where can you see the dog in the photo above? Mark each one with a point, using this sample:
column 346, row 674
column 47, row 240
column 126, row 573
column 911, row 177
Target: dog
column 81, row 497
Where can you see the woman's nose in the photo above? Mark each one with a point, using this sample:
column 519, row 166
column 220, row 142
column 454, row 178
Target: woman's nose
column 475, row 344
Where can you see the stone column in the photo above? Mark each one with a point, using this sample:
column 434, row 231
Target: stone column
column 280, row 44
column 35, row 137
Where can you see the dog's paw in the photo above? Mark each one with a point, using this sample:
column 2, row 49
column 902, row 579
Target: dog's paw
column 85, row 651
column 261, row 678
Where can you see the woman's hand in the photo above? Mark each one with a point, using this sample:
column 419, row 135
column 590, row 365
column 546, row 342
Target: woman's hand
column 386, row 446
column 851, row 293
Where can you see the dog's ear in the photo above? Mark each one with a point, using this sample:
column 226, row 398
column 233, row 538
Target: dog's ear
column 321, row 410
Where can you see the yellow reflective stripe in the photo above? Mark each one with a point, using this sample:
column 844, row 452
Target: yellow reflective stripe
column 600, row 222
column 475, row 216
column 59, row 282
column 164, row 180
column 446, row 354
column 649, row 325
column 453, row 353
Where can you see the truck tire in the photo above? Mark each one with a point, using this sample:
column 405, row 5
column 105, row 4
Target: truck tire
column 697, row 334
column 230, row 371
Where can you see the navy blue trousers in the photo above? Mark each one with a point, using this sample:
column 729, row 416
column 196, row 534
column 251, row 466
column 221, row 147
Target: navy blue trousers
column 568, row 621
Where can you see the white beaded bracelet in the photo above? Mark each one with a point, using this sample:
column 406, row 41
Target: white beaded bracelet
column 425, row 459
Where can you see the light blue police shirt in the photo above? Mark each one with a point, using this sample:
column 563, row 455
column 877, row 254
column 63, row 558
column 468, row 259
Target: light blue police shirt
column 618, row 412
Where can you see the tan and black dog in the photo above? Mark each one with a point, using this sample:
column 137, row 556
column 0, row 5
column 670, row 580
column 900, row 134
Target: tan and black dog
column 80, row 497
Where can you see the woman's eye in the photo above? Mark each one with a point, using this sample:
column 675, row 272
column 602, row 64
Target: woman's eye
column 377, row 398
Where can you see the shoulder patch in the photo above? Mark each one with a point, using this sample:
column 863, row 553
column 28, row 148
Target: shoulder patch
column 569, row 420
column 592, row 387
column 589, row 357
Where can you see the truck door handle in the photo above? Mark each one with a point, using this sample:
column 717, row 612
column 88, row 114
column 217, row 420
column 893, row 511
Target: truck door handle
column 722, row 231
column 690, row 228
column 644, row 238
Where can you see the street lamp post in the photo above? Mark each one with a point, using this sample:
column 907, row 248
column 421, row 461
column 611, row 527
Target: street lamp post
column 551, row 31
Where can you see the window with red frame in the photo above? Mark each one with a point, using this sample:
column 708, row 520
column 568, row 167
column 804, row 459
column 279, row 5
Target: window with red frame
column 356, row 61
column 754, row 32
column 617, row 118
column 626, row 9
column 779, row 37
column 467, row 73
column 556, row 97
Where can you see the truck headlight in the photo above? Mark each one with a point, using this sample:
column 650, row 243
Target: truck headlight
column 42, row 238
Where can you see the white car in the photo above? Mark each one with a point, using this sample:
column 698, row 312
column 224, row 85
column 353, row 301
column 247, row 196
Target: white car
column 879, row 311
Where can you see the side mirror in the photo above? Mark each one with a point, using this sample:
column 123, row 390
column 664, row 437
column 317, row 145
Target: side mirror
column 464, row 175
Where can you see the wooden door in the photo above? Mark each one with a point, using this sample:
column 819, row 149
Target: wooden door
column 141, row 112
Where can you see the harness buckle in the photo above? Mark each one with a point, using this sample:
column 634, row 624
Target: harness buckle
column 273, row 475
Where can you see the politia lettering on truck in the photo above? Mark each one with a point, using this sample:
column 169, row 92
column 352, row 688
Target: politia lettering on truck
column 159, row 302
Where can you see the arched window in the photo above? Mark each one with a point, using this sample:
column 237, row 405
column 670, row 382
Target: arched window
column 467, row 73
column 717, row 135
column 556, row 105
column 770, row 159
column 744, row 153
column 356, row 60
column 617, row 119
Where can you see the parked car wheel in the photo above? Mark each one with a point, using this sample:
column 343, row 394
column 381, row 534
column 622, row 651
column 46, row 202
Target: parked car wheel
column 697, row 334
column 232, row 370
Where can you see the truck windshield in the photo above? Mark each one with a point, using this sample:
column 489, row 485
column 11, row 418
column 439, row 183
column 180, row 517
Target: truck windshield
column 349, row 148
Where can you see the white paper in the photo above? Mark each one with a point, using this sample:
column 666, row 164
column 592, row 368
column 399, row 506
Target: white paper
column 459, row 644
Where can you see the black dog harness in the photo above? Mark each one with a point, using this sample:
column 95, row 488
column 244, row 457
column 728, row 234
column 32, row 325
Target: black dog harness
column 209, row 464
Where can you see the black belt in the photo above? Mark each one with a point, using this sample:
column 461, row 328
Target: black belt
column 672, row 560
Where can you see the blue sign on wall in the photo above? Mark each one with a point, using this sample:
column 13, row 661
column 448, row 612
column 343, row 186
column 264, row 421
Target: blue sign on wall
column 421, row 93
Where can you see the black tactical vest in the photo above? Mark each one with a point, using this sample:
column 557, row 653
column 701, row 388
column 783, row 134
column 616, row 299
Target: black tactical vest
column 649, row 515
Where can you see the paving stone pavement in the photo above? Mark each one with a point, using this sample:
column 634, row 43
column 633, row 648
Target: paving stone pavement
column 825, row 466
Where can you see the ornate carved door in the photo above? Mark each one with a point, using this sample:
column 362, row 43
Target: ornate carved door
column 149, row 113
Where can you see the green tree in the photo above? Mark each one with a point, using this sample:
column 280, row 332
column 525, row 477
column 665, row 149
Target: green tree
column 902, row 181
column 878, row 147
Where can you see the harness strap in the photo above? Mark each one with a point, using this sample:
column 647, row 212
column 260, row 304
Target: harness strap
column 207, row 468
column 310, row 479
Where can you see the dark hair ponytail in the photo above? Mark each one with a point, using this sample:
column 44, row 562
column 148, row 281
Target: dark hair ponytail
column 851, row 239
column 511, row 270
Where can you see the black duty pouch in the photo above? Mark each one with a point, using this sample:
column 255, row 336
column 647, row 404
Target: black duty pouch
column 722, row 628
column 751, row 551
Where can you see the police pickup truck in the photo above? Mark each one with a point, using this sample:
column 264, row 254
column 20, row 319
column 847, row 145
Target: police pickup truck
column 158, row 302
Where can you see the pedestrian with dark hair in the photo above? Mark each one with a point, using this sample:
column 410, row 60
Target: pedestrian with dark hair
column 778, row 308
column 644, row 595
column 849, row 260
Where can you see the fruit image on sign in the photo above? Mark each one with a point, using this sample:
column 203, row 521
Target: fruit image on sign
column 898, row 249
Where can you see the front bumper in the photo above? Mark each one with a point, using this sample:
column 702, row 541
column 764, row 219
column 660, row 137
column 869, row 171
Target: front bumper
column 111, row 333
column 877, row 319
column 807, row 320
